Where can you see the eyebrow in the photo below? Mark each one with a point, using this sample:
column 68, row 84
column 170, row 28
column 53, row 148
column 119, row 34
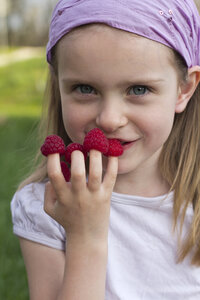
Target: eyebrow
column 146, row 80
column 74, row 80
column 143, row 81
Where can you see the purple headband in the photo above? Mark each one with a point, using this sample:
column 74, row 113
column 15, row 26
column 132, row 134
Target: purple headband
column 174, row 23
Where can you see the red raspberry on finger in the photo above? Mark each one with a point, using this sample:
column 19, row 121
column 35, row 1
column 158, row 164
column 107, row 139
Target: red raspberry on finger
column 95, row 139
column 53, row 144
column 115, row 148
column 72, row 147
column 65, row 171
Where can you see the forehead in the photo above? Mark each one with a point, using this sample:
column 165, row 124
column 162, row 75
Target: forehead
column 98, row 41
column 89, row 30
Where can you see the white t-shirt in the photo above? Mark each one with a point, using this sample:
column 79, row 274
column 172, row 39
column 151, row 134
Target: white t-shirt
column 142, row 250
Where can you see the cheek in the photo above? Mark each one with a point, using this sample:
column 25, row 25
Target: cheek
column 72, row 126
column 75, row 121
column 157, row 125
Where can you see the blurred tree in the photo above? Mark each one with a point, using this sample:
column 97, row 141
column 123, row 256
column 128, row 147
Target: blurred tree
column 25, row 22
column 4, row 32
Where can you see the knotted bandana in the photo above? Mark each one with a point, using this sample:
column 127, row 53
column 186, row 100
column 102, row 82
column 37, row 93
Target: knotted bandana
column 174, row 23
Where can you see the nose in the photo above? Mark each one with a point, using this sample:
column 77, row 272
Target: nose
column 111, row 115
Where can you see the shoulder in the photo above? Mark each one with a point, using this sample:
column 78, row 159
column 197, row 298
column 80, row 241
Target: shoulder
column 28, row 200
column 30, row 220
column 31, row 192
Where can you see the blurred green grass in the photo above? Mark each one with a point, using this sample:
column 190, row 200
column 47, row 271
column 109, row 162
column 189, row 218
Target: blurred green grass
column 6, row 50
column 22, row 88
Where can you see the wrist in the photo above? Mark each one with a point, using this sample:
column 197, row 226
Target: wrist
column 87, row 245
column 85, row 267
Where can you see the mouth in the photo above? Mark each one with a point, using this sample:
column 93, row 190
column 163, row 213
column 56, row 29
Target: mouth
column 124, row 142
column 127, row 144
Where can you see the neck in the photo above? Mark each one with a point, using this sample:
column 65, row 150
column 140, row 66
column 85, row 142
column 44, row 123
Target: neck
column 143, row 182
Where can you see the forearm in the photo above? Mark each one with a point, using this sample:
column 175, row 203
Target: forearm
column 83, row 209
column 85, row 272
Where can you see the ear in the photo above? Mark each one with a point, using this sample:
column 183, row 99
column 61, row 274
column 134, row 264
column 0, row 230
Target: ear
column 187, row 89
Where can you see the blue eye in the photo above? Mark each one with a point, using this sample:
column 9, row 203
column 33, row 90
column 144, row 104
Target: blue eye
column 84, row 89
column 138, row 90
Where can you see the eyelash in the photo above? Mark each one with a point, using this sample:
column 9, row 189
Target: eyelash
column 75, row 88
column 147, row 89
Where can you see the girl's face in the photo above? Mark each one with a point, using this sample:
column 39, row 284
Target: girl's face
column 123, row 84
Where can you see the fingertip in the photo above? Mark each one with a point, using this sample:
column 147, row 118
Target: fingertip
column 78, row 171
column 53, row 163
column 54, row 171
column 77, row 154
column 95, row 170
column 113, row 160
column 95, row 157
column 95, row 152
column 111, row 172
column 77, row 161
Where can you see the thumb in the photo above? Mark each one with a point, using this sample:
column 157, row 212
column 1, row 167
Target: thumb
column 49, row 199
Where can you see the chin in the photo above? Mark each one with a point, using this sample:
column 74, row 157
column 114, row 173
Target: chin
column 122, row 170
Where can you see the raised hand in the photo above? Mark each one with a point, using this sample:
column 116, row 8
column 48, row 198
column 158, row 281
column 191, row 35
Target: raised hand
column 81, row 206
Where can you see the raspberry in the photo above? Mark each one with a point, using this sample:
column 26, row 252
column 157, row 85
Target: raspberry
column 115, row 148
column 95, row 139
column 72, row 147
column 65, row 171
column 53, row 144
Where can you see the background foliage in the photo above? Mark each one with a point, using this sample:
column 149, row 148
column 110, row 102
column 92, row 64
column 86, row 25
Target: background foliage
column 22, row 87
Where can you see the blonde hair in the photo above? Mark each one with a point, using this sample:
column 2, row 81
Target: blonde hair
column 179, row 161
column 180, row 166
column 197, row 2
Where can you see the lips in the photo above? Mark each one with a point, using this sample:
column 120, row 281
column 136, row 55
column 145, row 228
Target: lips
column 123, row 143
column 127, row 144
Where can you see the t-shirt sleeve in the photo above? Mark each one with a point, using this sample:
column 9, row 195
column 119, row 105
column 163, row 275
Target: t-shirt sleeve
column 30, row 220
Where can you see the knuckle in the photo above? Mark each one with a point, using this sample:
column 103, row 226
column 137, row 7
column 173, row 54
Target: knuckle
column 54, row 175
column 81, row 204
column 78, row 175
column 62, row 200
column 95, row 184
column 112, row 177
column 95, row 178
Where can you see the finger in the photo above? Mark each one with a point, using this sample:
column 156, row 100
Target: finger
column 95, row 170
column 49, row 199
column 55, row 173
column 78, row 173
column 111, row 172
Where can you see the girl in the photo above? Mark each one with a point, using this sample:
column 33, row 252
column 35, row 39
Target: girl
column 129, row 227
